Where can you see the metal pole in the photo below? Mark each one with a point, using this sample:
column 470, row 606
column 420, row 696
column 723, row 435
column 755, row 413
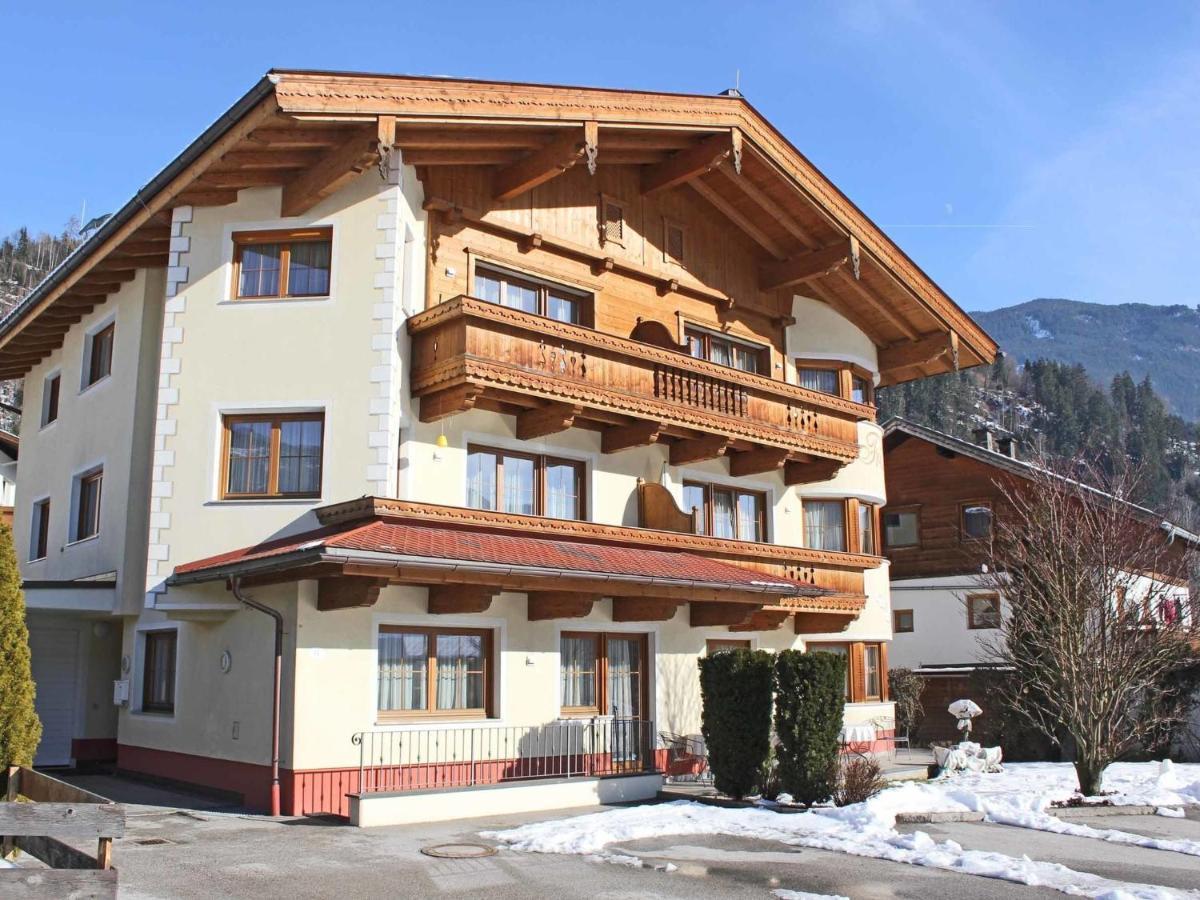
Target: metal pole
column 235, row 587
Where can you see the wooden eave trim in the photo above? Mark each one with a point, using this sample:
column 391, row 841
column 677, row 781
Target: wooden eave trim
column 569, row 529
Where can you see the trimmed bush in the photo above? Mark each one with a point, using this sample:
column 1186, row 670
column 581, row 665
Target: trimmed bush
column 735, row 689
column 20, row 729
column 810, row 697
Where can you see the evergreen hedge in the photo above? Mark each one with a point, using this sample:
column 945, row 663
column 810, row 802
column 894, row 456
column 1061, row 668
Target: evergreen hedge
column 20, row 729
column 810, row 700
column 735, row 689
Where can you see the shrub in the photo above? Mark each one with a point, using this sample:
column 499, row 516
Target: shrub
column 904, row 688
column 856, row 779
column 809, row 702
column 735, row 689
column 769, row 787
column 20, row 729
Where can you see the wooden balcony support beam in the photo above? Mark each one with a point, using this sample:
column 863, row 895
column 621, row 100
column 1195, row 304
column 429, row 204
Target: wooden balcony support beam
column 704, row 614
column 807, row 266
column 644, row 609
column 446, row 599
column 795, row 472
column 338, row 166
column 545, row 605
column 623, row 437
column 440, row 404
column 821, row 623
column 710, row 446
column 755, row 462
column 549, row 419
column 763, row 620
column 926, row 349
column 549, row 162
column 348, row 591
column 694, row 162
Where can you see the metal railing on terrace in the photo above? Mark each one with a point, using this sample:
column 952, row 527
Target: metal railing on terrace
column 417, row 759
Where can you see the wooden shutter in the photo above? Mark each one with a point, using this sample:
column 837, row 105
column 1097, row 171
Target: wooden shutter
column 883, row 671
column 857, row 673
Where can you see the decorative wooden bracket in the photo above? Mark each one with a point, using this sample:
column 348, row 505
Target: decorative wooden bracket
column 348, row 591
column 807, row 266
column 337, row 167
column 795, row 472
column 710, row 446
column 638, row 434
column 667, row 286
column 552, row 160
column 694, row 162
column 821, row 623
column 755, row 462
column 559, row 605
column 763, row 620
column 447, row 402
column 644, row 609
column 600, row 266
column 924, row 350
column 703, row 614
column 460, row 598
column 543, row 420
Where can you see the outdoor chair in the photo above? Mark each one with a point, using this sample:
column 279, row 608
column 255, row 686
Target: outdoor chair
column 687, row 757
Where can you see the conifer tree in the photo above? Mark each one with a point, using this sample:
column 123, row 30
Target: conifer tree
column 20, row 729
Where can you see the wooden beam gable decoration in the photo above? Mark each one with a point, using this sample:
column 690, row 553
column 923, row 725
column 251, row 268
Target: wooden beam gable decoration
column 348, row 591
column 338, row 166
column 809, row 266
column 693, row 162
column 551, row 161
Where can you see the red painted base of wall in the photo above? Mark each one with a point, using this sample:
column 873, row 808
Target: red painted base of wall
column 93, row 749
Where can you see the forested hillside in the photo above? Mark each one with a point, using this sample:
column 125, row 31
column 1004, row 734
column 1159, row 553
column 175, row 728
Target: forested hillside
column 1059, row 409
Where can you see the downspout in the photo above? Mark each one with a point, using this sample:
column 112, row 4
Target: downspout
column 235, row 585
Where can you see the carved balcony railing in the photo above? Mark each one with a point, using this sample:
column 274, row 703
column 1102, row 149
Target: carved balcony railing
column 468, row 353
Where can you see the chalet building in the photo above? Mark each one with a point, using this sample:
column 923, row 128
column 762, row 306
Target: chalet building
column 942, row 496
column 489, row 408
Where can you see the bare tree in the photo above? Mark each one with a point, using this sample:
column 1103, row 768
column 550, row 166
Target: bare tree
column 1093, row 624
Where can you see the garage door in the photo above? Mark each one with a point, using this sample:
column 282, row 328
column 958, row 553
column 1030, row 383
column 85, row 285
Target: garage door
column 55, row 653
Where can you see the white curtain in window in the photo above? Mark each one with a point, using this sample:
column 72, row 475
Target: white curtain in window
column 825, row 524
column 459, row 671
column 481, row 480
column 402, row 670
column 723, row 514
column 823, row 380
column 624, row 673
column 578, row 671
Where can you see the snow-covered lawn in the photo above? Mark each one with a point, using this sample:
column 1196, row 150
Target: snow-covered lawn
column 1019, row 796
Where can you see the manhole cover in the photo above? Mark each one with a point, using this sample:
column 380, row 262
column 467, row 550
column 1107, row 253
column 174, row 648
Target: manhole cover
column 459, row 851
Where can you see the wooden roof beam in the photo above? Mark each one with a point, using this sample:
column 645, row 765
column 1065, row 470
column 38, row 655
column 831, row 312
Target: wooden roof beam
column 693, row 162
column 732, row 213
column 925, row 349
column 446, row 599
column 338, row 166
column 709, row 446
column 545, row 420
column 644, row 609
column 551, row 161
column 705, row 614
column 543, row 605
column 884, row 309
column 807, row 266
column 755, row 462
column 771, row 207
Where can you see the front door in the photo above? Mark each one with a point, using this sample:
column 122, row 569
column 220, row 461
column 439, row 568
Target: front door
column 626, row 689
column 55, row 664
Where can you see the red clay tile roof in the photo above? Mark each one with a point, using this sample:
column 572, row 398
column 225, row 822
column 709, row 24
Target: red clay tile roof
column 491, row 548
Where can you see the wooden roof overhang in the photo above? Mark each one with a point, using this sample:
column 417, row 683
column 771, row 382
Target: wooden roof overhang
column 310, row 132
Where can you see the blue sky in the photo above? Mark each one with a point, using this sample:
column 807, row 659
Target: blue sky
column 1013, row 149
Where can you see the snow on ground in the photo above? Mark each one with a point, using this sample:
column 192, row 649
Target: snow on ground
column 1019, row 796
column 805, row 895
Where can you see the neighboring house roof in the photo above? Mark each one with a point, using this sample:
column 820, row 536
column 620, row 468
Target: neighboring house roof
column 308, row 131
column 447, row 546
column 1023, row 469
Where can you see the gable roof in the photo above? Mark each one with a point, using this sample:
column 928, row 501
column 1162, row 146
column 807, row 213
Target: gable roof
column 312, row 131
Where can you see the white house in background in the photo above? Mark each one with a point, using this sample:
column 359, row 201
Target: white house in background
column 502, row 403
column 9, row 447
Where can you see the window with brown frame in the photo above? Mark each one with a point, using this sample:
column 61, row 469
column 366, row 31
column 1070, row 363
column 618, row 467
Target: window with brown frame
column 902, row 621
column 603, row 674
column 40, row 545
column 983, row 611
column 873, row 672
column 836, row 378
column 866, row 668
column 87, row 505
column 825, row 524
column 282, row 265
column 527, row 484
column 673, row 246
column 719, row 645
column 532, row 295
column 727, row 512
column 726, row 351
column 158, row 671
column 611, row 215
column 444, row 672
column 100, row 353
column 868, row 515
column 272, row 456
column 976, row 520
column 901, row 528
column 51, row 389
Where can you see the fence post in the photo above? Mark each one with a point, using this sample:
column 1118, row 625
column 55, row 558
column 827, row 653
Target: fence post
column 472, row 730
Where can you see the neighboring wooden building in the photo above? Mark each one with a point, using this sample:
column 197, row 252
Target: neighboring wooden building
column 506, row 399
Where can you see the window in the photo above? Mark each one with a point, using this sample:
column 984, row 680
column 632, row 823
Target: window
column 842, row 650
column 277, row 265
column 824, row 380
column 612, row 221
column 866, row 669
column 726, row 352
column 902, row 621
column 861, row 389
column 40, row 533
column 525, row 484
column 531, row 295
column 272, row 456
column 672, row 242
column 872, row 672
column 901, row 528
column 824, row 524
column 99, row 354
column 158, row 671
column 983, row 611
column 866, row 529
column 50, row 392
column 434, row 672
column 719, row 645
column 836, row 378
column 727, row 512
column 603, row 674
column 87, row 505
column 976, row 521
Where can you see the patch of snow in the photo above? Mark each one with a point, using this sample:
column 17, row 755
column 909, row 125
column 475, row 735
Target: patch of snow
column 1036, row 329
column 805, row 895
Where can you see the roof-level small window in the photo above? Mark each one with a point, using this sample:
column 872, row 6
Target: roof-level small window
column 612, row 221
column 673, row 243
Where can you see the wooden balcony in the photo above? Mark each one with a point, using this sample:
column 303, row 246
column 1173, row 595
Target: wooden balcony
column 468, row 353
